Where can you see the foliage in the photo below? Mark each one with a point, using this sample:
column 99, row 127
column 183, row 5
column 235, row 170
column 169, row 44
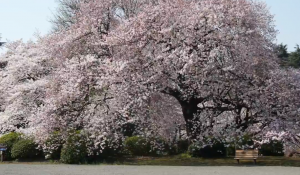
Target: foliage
column 287, row 59
column 108, row 151
column 282, row 54
column 53, row 146
column 182, row 146
column 9, row 140
column 230, row 151
column 242, row 142
column 273, row 148
column 140, row 146
column 217, row 149
column 128, row 129
column 137, row 146
column 25, row 149
column 74, row 151
column 294, row 58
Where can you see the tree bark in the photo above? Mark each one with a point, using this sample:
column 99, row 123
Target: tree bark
column 190, row 110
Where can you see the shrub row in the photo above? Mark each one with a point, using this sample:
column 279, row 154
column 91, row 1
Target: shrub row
column 74, row 149
column 139, row 146
column 216, row 149
column 19, row 147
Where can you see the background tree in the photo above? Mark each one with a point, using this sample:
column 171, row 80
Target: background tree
column 1, row 43
column 67, row 9
column 282, row 54
column 294, row 58
column 65, row 13
column 287, row 59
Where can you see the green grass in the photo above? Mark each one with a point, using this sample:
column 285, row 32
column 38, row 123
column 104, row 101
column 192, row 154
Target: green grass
column 186, row 160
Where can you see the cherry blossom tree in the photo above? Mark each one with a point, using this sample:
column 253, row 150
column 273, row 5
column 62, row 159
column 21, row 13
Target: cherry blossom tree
column 214, row 57
column 22, row 89
column 159, row 64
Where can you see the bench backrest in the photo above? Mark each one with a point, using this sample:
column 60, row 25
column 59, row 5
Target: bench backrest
column 246, row 153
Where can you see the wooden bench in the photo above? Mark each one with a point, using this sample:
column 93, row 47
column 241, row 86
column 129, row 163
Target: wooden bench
column 246, row 155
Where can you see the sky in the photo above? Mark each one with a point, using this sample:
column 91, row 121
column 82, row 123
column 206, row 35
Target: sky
column 22, row 18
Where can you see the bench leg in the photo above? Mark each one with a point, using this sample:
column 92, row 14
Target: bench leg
column 254, row 161
column 238, row 161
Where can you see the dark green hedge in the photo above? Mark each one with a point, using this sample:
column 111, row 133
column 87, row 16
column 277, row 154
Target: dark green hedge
column 217, row 149
column 274, row 148
column 9, row 140
column 74, row 151
column 137, row 146
column 25, row 149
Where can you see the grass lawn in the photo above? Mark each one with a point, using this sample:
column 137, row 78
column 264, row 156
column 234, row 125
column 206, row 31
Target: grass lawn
column 184, row 160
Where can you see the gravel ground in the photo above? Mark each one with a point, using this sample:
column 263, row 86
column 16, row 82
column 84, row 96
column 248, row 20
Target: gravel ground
column 23, row 169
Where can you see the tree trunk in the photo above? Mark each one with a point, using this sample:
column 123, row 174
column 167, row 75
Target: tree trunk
column 189, row 110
